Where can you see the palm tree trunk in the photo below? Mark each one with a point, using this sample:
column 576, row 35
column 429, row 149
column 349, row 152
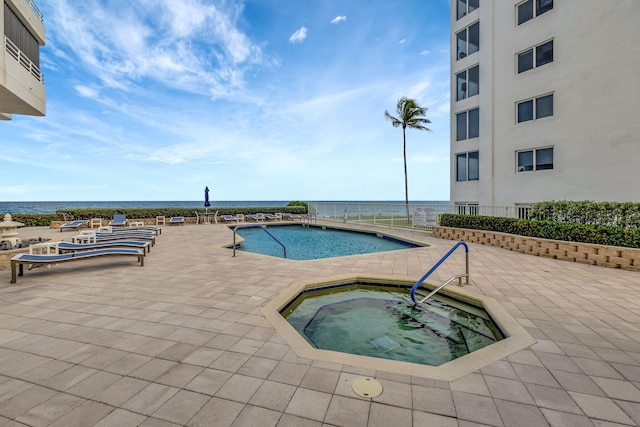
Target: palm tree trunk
column 406, row 176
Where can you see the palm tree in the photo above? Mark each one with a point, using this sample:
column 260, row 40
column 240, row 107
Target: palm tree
column 409, row 114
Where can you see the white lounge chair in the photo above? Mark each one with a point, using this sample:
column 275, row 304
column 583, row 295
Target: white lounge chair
column 176, row 220
column 18, row 261
column 73, row 225
column 119, row 220
column 228, row 218
column 63, row 247
column 291, row 217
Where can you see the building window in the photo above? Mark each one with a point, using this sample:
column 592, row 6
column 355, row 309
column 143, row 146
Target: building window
column 468, row 124
column 532, row 8
column 468, row 41
column 468, row 83
column 534, row 160
column 467, row 166
column 466, row 6
column 543, row 55
column 537, row 108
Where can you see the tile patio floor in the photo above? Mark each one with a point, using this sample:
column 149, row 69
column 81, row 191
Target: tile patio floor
column 182, row 341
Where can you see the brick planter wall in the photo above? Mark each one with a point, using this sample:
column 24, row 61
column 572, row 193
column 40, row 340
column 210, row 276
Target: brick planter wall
column 584, row 253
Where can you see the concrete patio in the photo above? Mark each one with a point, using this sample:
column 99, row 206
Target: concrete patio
column 182, row 341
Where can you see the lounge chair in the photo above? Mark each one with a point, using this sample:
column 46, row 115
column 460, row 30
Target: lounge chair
column 291, row 217
column 228, row 218
column 270, row 217
column 74, row 247
column 108, row 237
column 18, row 261
column 255, row 217
column 176, row 220
column 150, row 228
column 119, row 220
column 73, row 225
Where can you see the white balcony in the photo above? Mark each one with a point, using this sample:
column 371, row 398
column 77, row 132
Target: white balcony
column 22, row 88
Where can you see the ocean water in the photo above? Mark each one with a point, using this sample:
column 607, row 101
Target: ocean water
column 52, row 207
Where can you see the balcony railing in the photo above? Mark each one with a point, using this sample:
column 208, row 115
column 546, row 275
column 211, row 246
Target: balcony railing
column 36, row 10
column 19, row 56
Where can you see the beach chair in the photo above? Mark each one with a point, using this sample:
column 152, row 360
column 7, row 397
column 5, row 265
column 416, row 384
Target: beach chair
column 63, row 247
column 108, row 237
column 291, row 217
column 143, row 228
column 18, row 261
column 176, row 220
column 228, row 218
column 119, row 220
column 270, row 217
column 73, row 225
column 255, row 217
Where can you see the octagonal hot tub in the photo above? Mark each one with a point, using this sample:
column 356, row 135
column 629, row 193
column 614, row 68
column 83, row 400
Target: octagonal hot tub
column 371, row 322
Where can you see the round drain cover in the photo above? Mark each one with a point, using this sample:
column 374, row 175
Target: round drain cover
column 367, row 387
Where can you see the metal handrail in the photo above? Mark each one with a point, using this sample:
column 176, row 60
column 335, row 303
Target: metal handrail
column 436, row 265
column 436, row 290
column 256, row 226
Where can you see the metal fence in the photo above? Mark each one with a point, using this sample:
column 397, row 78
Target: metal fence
column 395, row 214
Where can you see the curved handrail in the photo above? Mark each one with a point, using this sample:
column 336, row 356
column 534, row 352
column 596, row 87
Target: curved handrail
column 256, row 226
column 436, row 265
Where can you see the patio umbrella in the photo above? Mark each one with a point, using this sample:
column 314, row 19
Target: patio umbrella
column 206, row 199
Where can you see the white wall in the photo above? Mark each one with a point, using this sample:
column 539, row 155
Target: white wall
column 595, row 129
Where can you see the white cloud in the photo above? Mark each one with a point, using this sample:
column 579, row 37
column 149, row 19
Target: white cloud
column 403, row 41
column 299, row 35
column 338, row 19
column 85, row 91
column 424, row 53
column 186, row 45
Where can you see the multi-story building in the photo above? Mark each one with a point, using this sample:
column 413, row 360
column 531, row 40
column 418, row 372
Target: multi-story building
column 21, row 82
column 545, row 101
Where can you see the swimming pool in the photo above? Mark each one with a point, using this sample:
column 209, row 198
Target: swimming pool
column 316, row 242
column 382, row 321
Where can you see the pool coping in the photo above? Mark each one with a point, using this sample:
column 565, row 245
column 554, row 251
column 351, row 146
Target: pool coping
column 516, row 337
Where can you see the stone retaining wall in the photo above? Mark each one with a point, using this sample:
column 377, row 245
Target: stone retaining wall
column 584, row 253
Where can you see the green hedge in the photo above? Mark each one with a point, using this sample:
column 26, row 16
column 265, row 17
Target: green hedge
column 616, row 214
column 35, row 220
column 139, row 213
column 585, row 233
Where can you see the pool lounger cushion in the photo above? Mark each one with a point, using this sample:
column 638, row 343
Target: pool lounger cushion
column 73, row 247
column 18, row 261
column 73, row 225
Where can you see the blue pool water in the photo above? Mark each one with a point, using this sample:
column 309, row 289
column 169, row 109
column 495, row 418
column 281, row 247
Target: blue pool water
column 305, row 243
column 383, row 322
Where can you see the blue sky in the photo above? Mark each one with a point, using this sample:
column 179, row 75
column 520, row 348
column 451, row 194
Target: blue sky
column 256, row 99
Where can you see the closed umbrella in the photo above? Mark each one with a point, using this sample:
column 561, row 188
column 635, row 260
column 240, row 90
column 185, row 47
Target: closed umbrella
column 206, row 199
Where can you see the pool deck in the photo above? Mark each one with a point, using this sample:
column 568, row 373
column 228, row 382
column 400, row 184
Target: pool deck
column 183, row 341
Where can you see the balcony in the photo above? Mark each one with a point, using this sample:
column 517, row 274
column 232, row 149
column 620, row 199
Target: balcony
column 22, row 89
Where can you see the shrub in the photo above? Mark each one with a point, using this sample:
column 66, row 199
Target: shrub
column 615, row 214
column 555, row 230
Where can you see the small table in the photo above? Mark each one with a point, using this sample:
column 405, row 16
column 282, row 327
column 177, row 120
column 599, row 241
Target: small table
column 160, row 220
column 137, row 224
column 44, row 248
